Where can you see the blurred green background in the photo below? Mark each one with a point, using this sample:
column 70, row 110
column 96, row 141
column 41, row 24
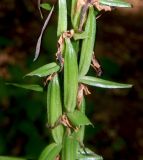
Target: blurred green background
column 116, row 114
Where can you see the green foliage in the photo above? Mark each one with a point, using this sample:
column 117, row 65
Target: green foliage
column 33, row 87
column 89, row 155
column 65, row 96
column 10, row 158
column 78, row 118
column 115, row 3
column 50, row 152
column 45, row 6
column 45, row 70
column 98, row 82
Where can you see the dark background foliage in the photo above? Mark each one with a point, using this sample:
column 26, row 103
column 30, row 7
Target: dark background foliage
column 116, row 114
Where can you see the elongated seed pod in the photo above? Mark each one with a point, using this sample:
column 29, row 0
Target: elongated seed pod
column 50, row 152
column 88, row 43
column 70, row 77
column 62, row 17
column 70, row 148
column 54, row 108
column 75, row 14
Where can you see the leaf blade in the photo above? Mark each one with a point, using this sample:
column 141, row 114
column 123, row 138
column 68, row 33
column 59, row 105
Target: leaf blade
column 10, row 158
column 101, row 83
column 115, row 3
column 33, row 87
column 89, row 155
column 45, row 6
column 78, row 118
column 45, row 70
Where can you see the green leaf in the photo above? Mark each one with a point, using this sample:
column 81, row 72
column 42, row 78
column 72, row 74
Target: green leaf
column 50, row 152
column 45, row 70
column 10, row 158
column 89, row 155
column 78, row 118
column 45, row 6
column 115, row 3
column 98, row 82
column 33, row 87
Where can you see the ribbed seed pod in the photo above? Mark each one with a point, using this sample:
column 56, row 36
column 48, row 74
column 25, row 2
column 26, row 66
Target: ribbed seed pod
column 62, row 17
column 70, row 77
column 70, row 148
column 54, row 108
column 88, row 43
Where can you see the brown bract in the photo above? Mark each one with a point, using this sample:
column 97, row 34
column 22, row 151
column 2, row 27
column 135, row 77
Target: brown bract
column 82, row 89
column 60, row 45
column 64, row 120
column 49, row 78
column 95, row 64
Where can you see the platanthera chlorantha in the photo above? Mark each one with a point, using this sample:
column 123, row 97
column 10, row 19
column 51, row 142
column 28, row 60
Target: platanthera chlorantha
column 65, row 97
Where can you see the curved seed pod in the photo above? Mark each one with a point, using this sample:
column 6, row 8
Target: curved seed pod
column 62, row 17
column 54, row 108
column 70, row 148
column 50, row 152
column 70, row 77
column 88, row 43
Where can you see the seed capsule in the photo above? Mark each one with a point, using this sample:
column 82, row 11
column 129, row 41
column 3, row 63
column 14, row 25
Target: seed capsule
column 70, row 76
column 50, row 152
column 88, row 43
column 62, row 17
column 54, row 108
column 70, row 148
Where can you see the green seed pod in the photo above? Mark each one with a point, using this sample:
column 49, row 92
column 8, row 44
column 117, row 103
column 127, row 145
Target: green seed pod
column 70, row 148
column 88, row 43
column 50, row 152
column 70, row 76
column 62, row 17
column 54, row 108
column 75, row 14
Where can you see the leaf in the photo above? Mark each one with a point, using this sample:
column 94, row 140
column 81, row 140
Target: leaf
column 10, row 158
column 89, row 155
column 33, row 87
column 45, row 6
column 115, row 3
column 98, row 82
column 45, row 70
column 50, row 152
column 78, row 118
column 40, row 37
